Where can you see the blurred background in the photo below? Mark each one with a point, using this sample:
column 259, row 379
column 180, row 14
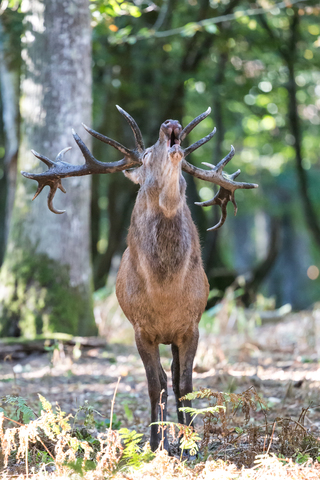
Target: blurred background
column 257, row 66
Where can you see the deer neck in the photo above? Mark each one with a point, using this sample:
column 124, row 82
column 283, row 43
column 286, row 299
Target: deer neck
column 164, row 189
column 161, row 231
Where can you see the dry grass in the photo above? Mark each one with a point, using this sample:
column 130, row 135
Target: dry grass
column 237, row 442
column 250, row 452
column 163, row 467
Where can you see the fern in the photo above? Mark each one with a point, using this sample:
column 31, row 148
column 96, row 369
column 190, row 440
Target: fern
column 46, row 405
column 201, row 411
column 190, row 441
column 132, row 453
column 23, row 413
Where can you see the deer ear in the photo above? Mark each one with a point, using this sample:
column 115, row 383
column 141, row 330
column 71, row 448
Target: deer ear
column 133, row 175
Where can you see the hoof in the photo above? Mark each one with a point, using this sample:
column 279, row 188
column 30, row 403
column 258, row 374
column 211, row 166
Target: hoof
column 186, row 455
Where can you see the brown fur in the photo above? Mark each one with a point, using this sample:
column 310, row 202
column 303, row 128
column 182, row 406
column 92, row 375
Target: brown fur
column 161, row 285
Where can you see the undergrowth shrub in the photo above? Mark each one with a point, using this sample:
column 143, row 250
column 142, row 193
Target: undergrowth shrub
column 51, row 437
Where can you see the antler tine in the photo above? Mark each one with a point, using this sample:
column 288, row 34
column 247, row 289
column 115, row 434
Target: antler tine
column 222, row 219
column 193, row 124
column 199, row 143
column 235, row 174
column 51, row 195
column 109, row 141
column 39, row 189
column 60, row 155
column 225, row 160
column 221, row 198
column 89, row 158
column 134, row 127
column 44, row 159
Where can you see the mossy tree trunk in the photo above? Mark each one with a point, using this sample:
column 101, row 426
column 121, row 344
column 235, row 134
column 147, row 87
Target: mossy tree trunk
column 45, row 280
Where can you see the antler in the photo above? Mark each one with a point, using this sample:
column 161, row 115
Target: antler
column 215, row 175
column 133, row 158
column 60, row 169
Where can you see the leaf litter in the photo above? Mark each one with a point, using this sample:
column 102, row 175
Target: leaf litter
column 267, row 380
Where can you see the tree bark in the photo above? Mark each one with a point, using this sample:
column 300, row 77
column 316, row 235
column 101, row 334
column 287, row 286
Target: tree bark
column 45, row 282
column 9, row 86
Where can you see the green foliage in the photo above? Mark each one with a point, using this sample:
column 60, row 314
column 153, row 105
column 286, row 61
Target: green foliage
column 127, row 411
column 58, row 420
column 201, row 411
column 189, row 441
column 41, row 458
column 233, row 308
column 12, row 29
column 81, row 467
column 133, row 454
column 21, row 411
column 88, row 411
column 104, row 424
column 89, row 421
column 302, row 458
column 116, row 8
column 239, row 70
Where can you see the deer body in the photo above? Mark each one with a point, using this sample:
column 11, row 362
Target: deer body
column 161, row 279
column 161, row 285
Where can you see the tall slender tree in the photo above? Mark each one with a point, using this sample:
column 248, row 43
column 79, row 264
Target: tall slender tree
column 45, row 280
column 10, row 61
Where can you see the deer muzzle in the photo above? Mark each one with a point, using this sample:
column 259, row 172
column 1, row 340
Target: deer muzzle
column 171, row 130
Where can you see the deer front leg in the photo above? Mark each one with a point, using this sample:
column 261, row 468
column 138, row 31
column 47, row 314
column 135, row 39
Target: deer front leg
column 157, row 381
column 187, row 348
column 175, row 372
column 183, row 356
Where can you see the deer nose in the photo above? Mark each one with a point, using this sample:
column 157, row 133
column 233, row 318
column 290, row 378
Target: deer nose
column 171, row 128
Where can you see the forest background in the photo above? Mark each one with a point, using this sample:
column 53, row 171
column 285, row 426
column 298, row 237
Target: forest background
column 257, row 66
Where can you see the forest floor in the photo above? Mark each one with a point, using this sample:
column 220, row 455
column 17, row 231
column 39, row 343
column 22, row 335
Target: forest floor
column 280, row 360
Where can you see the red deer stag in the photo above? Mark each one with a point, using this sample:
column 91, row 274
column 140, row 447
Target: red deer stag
column 161, row 285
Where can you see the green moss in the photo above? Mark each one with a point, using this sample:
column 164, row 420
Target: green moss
column 36, row 298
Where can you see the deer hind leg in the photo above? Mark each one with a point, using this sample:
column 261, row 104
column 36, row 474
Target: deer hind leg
column 183, row 356
column 163, row 413
column 157, row 381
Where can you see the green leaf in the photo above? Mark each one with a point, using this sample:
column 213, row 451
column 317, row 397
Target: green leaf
column 45, row 404
column 128, row 411
column 211, row 28
column 190, row 29
column 202, row 411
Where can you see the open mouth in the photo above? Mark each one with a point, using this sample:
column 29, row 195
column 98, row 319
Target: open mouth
column 172, row 129
column 173, row 140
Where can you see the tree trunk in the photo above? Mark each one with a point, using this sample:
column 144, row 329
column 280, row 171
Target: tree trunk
column 310, row 213
column 9, row 86
column 212, row 258
column 288, row 52
column 45, row 282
